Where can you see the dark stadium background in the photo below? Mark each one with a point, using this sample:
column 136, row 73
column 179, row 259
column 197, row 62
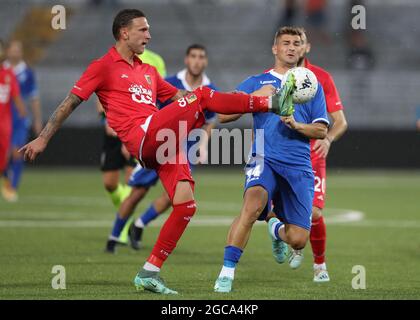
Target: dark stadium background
column 380, row 98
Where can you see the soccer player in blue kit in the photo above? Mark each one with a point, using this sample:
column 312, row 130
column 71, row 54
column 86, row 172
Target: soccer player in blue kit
column 279, row 173
column 190, row 78
column 21, row 126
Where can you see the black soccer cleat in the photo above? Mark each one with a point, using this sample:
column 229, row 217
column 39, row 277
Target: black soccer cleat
column 110, row 246
column 134, row 235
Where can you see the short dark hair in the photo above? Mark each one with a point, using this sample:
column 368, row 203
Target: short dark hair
column 123, row 19
column 294, row 31
column 195, row 46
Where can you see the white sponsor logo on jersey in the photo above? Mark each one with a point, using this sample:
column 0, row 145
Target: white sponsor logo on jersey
column 141, row 95
column 268, row 81
column 4, row 93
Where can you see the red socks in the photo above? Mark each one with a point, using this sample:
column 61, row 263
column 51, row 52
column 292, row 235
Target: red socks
column 171, row 231
column 318, row 238
column 231, row 103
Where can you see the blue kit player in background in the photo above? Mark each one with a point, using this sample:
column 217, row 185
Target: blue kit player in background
column 21, row 126
column 280, row 173
column 190, row 78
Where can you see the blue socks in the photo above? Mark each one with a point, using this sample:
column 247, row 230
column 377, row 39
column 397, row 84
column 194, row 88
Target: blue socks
column 149, row 215
column 276, row 230
column 232, row 256
column 118, row 226
column 16, row 167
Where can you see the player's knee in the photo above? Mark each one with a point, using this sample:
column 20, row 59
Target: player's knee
column 297, row 240
column 316, row 213
column 109, row 186
column 188, row 209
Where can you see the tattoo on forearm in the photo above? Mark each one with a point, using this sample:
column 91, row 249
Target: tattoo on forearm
column 60, row 114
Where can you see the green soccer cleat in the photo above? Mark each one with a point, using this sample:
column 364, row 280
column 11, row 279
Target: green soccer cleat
column 282, row 101
column 223, row 285
column 280, row 248
column 151, row 281
column 295, row 258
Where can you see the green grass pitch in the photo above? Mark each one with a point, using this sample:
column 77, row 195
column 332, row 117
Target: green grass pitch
column 63, row 218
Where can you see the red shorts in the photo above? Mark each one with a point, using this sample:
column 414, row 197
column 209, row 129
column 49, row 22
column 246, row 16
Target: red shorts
column 162, row 148
column 319, row 167
column 5, row 137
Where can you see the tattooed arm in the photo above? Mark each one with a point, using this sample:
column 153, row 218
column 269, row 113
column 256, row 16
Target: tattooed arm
column 35, row 147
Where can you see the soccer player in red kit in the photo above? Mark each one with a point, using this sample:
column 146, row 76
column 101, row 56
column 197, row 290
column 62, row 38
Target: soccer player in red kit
column 128, row 90
column 319, row 152
column 9, row 92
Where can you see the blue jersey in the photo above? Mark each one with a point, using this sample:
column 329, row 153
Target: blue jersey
column 27, row 83
column 179, row 81
column 282, row 145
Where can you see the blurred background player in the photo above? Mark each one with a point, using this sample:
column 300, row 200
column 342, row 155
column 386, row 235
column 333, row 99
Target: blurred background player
column 9, row 92
column 154, row 59
column 115, row 157
column 21, row 126
column 319, row 153
column 280, row 173
column 190, row 78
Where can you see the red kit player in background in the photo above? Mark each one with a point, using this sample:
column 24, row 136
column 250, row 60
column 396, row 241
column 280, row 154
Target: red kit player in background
column 319, row 152
column 128, row 90
column 9, row 92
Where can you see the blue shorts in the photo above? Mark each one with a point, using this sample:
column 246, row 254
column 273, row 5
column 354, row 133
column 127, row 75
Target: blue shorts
column 20, row 132
column 141, row 177
column 290, row 191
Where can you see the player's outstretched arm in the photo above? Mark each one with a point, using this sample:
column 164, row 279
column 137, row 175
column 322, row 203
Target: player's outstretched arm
column 35, row 147
column 310, row 130
column 224, row 118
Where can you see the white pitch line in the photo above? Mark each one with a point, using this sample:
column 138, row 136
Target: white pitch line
column 344, row 216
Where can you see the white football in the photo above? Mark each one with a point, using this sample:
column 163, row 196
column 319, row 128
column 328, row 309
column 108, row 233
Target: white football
column 306, row 84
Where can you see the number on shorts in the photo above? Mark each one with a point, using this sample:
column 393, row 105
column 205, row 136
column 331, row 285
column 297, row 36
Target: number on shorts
column 319, row 184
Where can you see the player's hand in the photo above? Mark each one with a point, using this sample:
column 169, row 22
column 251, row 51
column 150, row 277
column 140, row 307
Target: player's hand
column 322, row 147
column 125, row 152
column 109, row 131
column 290, row 122
column 267, row 90
column 33, row 149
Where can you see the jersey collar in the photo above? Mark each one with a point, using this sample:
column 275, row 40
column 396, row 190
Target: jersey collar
column 117, row 57
column 276, row 74
column 182, row 75
column 18, row 69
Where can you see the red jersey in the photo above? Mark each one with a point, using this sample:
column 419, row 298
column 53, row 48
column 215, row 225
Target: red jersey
column 127, row 92
column 332, row 97
column 9, row 88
